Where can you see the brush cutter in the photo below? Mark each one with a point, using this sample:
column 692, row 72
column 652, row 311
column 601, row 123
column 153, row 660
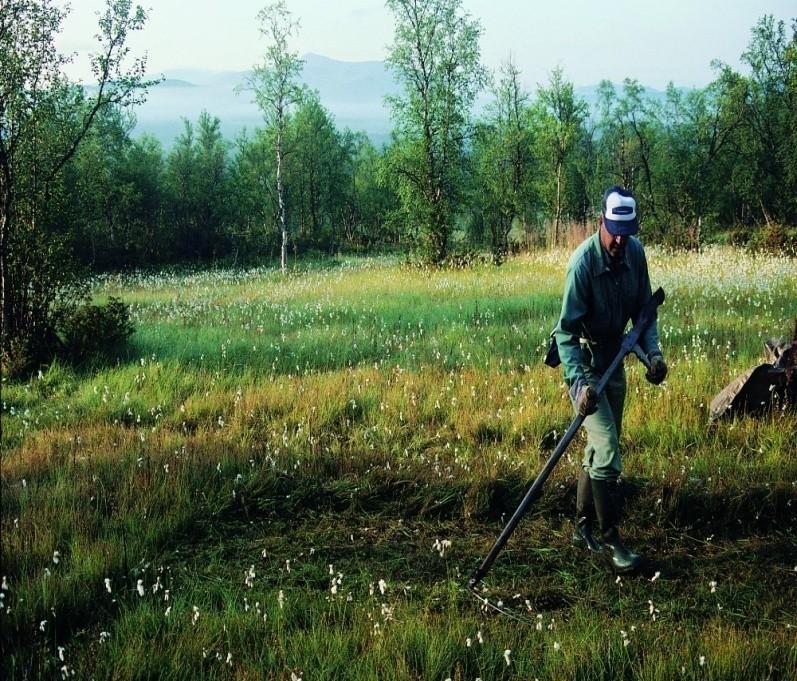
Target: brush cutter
column 629, row 344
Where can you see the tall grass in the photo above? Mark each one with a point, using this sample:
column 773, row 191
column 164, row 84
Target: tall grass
column 311, row 435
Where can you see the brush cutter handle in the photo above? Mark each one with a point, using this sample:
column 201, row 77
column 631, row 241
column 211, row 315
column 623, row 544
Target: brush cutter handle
column 630, row 341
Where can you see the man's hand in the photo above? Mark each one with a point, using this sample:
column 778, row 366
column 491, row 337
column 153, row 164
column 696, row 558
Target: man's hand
column 584, row 397
column 658, row 368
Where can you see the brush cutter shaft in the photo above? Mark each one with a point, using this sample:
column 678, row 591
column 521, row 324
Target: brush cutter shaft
column 629, row 344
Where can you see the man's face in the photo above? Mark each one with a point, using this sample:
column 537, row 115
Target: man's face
column 614, row 245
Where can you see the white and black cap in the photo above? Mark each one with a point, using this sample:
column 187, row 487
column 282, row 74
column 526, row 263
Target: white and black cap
column 619, row 212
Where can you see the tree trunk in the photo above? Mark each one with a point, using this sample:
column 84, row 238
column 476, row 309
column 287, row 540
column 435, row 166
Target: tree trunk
column 281, row 198
column 6, row 330
column 558, row 215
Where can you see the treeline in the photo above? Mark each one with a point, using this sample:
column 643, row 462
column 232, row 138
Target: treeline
column 721, row 158
column 77, row 193
column 127, row 203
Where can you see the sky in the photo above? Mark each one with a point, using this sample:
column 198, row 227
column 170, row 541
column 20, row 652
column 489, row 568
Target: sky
column 652, row 41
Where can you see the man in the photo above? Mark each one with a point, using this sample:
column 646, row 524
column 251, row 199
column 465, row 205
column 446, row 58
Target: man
column 607, row 283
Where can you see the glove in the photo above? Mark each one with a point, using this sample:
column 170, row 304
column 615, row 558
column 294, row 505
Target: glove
column 658, row 368
column 584, row 397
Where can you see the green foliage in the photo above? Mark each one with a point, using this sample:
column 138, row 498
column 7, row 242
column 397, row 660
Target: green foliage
column 275, row 83
column 503, row 162
column 93, row 331
column 435, row 56
column 198, row 184
column 318, row 172
column 720, row 160
column 561, row 119
column 44, row 120
column 773, row 238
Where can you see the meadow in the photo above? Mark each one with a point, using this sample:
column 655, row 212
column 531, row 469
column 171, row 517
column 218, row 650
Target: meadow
column 292, row 477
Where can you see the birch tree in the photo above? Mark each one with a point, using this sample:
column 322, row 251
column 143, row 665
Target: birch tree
column 44, row 118
column 435, row 57
column 275, row 82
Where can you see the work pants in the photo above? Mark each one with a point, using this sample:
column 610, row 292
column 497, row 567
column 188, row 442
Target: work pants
column 602, row 459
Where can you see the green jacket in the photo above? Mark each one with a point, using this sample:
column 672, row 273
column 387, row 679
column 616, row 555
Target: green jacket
column 597, row 305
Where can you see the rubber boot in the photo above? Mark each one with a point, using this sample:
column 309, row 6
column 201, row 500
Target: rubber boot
column 585, row 515
column 607, row 507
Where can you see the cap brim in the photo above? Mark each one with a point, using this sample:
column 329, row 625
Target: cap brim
column 621, row 227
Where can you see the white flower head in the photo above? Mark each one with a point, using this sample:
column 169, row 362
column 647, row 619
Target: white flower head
column 140, row 587
column 249, row 577
column 507, row 653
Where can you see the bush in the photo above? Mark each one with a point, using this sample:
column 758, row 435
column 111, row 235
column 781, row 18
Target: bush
column 20, row 357
column 775, row 238
column 92, row 330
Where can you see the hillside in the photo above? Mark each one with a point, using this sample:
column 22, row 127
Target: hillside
column 353, row 92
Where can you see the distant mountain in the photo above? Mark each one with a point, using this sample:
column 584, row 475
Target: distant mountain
column 353, row 92
column 176, row 82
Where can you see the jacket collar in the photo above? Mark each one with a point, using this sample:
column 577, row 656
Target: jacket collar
column 600, row 258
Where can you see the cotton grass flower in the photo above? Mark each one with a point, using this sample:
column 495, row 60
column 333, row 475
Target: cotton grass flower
column 249, row 577
column 441, row 546
column 653, row 611
column 140, row 588
column 507, row 654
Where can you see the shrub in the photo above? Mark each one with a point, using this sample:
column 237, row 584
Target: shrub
column 96, row 330
column 21, row 356
column 775, row 238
